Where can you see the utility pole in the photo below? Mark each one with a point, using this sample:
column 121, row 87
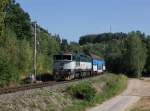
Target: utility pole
column 35, row 53
column 110, row 29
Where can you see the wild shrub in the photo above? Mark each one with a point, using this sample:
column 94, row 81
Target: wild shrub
column 83, row 90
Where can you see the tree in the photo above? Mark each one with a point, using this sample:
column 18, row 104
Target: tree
column 64, row 45
column 19, row 21
column 3, row 5
column 113, row 57
column 47, row 47
column 6, row 69
column 87, row 49
column 147, row 66
column 9, row 59
column 100, row 38
column 24, row 58
column 15, row 45
column 135, row 55
column 74, row 47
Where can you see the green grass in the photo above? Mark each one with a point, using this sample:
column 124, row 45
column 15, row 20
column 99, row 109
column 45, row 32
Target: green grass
column 114, row 84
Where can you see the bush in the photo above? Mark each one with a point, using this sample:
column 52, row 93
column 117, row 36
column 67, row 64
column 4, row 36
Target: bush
column 83, row 90
column 7, row 70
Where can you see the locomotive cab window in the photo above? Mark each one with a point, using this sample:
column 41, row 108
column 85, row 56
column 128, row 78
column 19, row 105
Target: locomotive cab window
column 67, row 57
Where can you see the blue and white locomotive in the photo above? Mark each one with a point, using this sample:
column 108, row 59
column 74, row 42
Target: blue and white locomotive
column 68, row 66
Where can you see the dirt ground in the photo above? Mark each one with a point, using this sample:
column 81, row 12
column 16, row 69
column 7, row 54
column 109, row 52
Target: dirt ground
column 142, row 105
column 138, row 87
column 136, row 90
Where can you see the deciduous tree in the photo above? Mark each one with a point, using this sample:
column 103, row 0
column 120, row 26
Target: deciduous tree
column 135, row 56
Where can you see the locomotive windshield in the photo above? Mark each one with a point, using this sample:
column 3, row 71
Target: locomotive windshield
column 66, row 57
column 63, row 57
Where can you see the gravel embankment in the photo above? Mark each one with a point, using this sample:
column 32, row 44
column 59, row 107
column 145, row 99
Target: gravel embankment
column 52, row 98
column 42, row 99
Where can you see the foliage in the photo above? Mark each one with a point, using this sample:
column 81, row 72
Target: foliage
column 147, row 66
column 99, row 38
column 74, row 47
column 83, row 90
column 24, row 57
column 7, row 71
column 135, row 56
column 123, row 52
column 3, row 5
column 16, row 42
column 64, row 45
column 48, row 45
column 18, row 20
column 114, row 56
column 8, row 63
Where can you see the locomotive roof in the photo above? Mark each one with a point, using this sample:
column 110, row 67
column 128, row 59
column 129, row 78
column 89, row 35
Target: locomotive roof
column 81, row 57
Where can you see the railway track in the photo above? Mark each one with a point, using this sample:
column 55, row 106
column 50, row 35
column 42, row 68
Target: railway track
column 26, row 87
column 31, row 86
column 36, row 85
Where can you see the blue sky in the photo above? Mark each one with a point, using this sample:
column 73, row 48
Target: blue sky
column 74, row 18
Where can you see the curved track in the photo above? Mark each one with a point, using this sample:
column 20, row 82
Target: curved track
column 36, row 85
column 26, row 87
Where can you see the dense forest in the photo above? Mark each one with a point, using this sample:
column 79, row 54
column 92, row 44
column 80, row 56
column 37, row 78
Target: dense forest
column 127, row 53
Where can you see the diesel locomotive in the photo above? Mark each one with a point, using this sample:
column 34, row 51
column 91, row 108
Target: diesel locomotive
column 69, row 66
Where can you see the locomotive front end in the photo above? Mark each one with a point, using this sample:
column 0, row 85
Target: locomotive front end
column 63, row 66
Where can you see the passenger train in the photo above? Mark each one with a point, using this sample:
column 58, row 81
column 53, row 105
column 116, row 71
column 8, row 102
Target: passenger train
column 69, row 66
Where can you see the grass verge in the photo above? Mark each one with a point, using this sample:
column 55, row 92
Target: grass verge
column 83, row 97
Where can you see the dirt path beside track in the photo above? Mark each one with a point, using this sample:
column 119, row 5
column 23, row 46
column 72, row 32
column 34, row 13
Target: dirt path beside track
column 135, row 90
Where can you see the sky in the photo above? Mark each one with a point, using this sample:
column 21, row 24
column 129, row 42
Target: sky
column 74, row 18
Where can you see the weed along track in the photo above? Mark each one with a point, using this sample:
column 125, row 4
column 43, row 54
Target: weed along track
column 26, row 87
column 37, row 85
